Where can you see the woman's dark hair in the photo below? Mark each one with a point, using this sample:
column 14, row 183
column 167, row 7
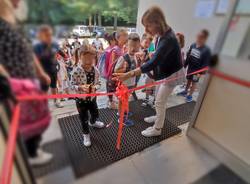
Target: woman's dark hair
column 205, row 32
column 110, row 37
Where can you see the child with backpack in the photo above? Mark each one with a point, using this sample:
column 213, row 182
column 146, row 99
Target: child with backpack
column 146, row 42
column 85, row 80
column 181, row 40
column 63, row 78
column 127, row 63
column 197, row 58
column 108, row 60
column 110, row 38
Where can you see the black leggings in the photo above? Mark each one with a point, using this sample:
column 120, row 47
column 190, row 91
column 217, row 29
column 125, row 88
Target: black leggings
column 85, row 107
column 32, row 145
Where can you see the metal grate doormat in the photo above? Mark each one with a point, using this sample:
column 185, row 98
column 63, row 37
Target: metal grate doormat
column 180, row 114
column 60, row 159
column 103, row 151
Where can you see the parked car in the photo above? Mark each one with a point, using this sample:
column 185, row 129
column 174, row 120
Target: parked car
column 98, row 31
column 131, row 30
column 62, row 32
column 81, row 31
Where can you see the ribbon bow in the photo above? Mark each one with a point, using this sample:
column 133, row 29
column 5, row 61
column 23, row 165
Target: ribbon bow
column 122, row 94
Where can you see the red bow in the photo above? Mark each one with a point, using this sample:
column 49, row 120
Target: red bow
column 122, row 93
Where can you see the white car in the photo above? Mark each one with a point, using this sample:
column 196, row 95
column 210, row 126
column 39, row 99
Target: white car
column 131, row 30
column 81, row 31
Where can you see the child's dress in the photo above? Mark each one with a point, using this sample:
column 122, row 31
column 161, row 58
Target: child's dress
column 63, row 79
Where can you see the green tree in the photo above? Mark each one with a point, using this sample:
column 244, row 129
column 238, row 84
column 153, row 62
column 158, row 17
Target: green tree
column 78, row 11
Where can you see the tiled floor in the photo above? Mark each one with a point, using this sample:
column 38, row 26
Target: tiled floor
column 174, row 161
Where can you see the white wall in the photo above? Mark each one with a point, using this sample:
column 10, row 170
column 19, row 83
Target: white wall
column 180, row 16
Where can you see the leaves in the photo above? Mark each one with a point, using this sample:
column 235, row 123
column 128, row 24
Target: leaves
column 76, row 11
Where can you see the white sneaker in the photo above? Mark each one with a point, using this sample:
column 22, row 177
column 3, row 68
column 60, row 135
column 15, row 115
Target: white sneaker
column 58, row 104
column 41, row 159
column 97, row 124
column 150, row 119
column 86, row 140
column 151, row 132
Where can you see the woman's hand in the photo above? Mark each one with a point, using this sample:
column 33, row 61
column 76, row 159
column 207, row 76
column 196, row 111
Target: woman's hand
column 126, row 76
column 121, row 76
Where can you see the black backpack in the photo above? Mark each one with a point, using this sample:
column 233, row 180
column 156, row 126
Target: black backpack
column 127, row 59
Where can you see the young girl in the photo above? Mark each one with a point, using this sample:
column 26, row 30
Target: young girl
column 110, row 38
column 62, row 74
column 85, row 79
column 181, row 40
column 121, row 37
column 147, row 51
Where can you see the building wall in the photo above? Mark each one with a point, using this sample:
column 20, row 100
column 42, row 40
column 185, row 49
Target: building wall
column 180, row 16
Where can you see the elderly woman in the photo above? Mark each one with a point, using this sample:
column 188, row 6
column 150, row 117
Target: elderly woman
column 17, row 58
column 165, row 63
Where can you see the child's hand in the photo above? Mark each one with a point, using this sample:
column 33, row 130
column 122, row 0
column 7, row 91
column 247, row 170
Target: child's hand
column 151, row 54
column 93, row 89
column 140, row 56
column 84, row 88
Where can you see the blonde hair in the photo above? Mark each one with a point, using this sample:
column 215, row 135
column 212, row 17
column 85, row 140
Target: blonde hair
column 155, row 15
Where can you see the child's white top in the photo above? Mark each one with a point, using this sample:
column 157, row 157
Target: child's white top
column 120, row 64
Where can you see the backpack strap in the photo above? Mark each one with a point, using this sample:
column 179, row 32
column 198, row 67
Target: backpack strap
column 126, row 57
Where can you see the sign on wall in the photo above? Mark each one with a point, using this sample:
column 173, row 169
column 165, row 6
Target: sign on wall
column 205, row 8
column 243, row 7
column 222, row 6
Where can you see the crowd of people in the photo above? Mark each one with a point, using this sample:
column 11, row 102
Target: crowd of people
column 78, row 68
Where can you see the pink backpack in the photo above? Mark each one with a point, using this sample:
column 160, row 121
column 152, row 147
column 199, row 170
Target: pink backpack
column 105, row 63
column 34, row 116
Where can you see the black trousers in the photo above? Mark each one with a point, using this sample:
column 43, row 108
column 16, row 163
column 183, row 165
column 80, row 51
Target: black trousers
column 32, row 145
column 86, row 107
